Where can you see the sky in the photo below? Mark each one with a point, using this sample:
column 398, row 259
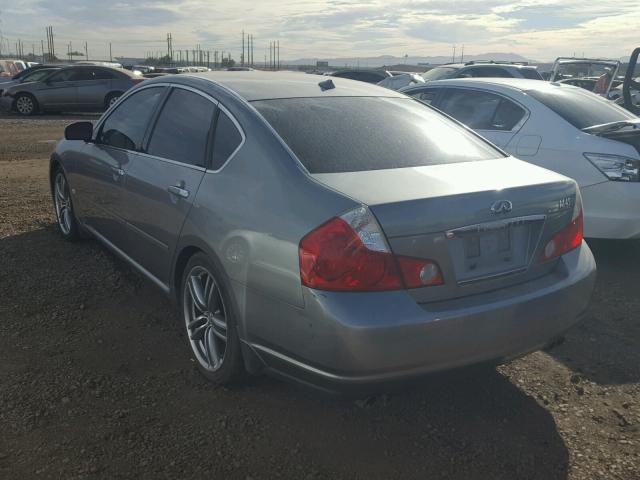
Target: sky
column 537, row 29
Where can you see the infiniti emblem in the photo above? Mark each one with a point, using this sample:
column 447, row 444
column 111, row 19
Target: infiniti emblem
column 501, row 206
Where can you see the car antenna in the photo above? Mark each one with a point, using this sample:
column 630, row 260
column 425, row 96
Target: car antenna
column 326, row 85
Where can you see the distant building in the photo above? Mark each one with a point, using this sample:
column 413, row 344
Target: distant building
column 322, row 64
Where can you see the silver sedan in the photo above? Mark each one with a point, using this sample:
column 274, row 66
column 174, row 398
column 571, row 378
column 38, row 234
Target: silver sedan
column 325, row 230
column 70, row 88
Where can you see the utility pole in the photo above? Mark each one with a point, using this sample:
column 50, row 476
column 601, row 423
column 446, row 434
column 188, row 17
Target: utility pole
column 242, row 56
column 110, row 55
column 86, row 51
column 462, row 54
column 454, row 55
column 278, row 54
column 42, row 50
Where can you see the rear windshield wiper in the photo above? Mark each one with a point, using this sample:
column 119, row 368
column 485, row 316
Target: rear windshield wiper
column 611, row 126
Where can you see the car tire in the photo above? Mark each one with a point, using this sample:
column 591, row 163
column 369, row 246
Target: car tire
column 111, row 99
column 68, row 225
column 209, row 321
column 25, row 104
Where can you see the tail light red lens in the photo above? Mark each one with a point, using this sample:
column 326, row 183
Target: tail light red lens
column 349, row 254
column 565, row 240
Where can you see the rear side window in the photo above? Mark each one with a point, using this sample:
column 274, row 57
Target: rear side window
column 183, row 128
column 488, row 72
column 481, row 110
column 226, row 140
column 580, row 108
column 62, row 76
column 531, row 74
column 344, row 134
column 126, row 126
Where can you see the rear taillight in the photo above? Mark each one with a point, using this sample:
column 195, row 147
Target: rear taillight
column 349, row 253
column 569, row 238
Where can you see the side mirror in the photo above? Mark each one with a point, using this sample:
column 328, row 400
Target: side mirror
column 79, row 131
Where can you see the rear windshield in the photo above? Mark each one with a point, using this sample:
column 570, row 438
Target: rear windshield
column 351, row 134
column 580, row 108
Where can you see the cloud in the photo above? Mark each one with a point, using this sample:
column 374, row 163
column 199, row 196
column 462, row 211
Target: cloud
column 540, row 29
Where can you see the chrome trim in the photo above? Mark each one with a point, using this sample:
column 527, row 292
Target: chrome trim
column 128, row 259
column 493, row 225
column 493, row 276
column 168, row 160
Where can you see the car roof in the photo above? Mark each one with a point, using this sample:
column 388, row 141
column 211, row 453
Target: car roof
column 259, row 85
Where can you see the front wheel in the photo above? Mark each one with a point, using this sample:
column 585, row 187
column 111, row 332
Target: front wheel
column 25, row 104
column 210, row 322
column 67, row 223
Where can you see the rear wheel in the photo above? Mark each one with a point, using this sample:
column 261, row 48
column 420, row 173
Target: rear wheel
column 111, row 99
column 210, row 322
column 67, row 223
column 25, row 104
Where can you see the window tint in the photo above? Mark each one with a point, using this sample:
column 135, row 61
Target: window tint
column 489, row 72
column 83, row 74
column 580, row 108
column 440, row 73
column 126, row 126
column 226, row 139
column 425, row 96
column 37, row 75
column 343, row 134
column 531, row 73
column 481, row 110
column 183, row 127
column 102, row 74
column 62, row 76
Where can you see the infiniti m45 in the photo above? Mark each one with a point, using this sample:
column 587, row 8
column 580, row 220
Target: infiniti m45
column 300, row 238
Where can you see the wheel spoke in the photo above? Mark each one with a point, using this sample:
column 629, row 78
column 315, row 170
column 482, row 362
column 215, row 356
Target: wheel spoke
column 197, row 295
column 196, row 322
column 211, row 348
column 198, row 333
column 220, row 327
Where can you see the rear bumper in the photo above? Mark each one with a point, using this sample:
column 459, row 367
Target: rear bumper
column 359, row 339
column 611, row 210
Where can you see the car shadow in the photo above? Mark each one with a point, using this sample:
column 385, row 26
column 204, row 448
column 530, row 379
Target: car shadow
column 604, row 347
column 107, row 341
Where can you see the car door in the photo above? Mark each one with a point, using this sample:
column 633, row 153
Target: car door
column 58, row 90
column 92, row 87
column 100, row 177
column 163, row 181
column 493, row 116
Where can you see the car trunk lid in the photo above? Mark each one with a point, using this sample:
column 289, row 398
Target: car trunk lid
column 480, row 221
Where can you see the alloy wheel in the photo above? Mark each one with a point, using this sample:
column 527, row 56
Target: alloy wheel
column 62, row 201
column 25, row 105
column 113, row 100
column 205, row 318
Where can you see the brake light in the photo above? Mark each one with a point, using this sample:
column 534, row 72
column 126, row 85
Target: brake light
column 567, row 239
column 349, row 253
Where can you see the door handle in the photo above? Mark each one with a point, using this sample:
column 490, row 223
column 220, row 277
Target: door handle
column 178, row 191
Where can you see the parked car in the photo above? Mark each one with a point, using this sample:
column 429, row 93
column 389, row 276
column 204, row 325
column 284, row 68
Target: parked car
column 560, row 127
column 593, row 74
column 75, row 88
column 367, row 76
column 487, row 68
column 9, row 68
column 381, row 254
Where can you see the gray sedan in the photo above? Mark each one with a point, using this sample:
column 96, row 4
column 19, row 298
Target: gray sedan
column 75, row 88
column 299, row 237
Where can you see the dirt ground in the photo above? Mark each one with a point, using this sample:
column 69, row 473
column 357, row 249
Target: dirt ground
column 96, row 382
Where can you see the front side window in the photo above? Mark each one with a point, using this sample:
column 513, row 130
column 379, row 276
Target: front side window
column 37, row 75
column 183, row 128
column 343, row 134
column 126, row 126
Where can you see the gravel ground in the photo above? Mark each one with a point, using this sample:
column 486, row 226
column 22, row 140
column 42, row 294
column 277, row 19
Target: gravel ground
column 95, row 381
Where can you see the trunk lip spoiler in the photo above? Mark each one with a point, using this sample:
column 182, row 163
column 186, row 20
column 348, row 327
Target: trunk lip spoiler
column 611, row 126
